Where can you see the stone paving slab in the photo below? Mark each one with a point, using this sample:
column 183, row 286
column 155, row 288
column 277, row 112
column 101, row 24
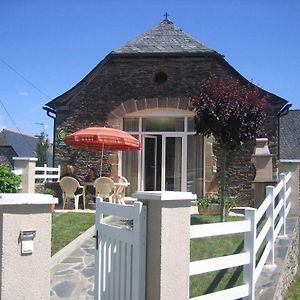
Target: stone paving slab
column 73, row 278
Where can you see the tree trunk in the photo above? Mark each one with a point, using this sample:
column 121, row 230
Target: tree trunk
column 223, row 179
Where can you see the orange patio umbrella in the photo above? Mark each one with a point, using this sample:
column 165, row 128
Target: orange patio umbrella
column 100, row 138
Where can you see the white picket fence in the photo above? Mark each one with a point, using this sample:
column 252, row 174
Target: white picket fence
column 271, row 209
column 46, row 174
column 43, row 174
column 18, row 172
column 120, row 253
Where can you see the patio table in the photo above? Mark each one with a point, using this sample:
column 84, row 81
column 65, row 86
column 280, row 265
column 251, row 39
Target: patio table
column 118, row 190
column 84, row 185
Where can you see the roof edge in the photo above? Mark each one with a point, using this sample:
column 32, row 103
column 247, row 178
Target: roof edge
column 246, row 81
column 164, row 54
column 76, row 89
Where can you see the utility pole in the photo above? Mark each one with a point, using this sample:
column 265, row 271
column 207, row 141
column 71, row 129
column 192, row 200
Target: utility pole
column 43, row 126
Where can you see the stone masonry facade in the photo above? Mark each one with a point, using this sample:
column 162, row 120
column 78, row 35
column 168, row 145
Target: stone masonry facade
column 121, row 85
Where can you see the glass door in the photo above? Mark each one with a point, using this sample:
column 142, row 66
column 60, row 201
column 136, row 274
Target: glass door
column 152, row 163
column 172, row 157
column 172, row 163
column 162, row 163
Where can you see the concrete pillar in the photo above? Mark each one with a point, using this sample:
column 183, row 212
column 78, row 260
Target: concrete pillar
column 168, row 244
column 25, row 275
column 27, row 164
column 262, row 160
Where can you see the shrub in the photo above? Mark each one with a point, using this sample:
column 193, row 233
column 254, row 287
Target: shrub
column 48, row 191
column 208, row 199
column 9, row 181
column 41, row 189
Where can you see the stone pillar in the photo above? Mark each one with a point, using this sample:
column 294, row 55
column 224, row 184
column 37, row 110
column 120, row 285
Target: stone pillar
column 211, row 183
column 25, row 275
column 27, row 164
column 168, row 244
column 113, row 160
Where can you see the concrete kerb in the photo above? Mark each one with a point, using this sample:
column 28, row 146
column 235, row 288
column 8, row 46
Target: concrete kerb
column 67, row 250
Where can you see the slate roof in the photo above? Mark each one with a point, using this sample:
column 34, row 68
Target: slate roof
column 164, row 38
column 290, row 135
column 161, row 40
column 24, row 145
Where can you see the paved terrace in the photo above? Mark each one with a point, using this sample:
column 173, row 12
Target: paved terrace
column 73, row 278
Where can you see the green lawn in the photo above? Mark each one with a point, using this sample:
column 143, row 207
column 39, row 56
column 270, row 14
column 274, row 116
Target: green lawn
column 205, row 248
column 66, row 227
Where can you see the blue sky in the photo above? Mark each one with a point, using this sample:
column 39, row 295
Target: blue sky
column 49, row 46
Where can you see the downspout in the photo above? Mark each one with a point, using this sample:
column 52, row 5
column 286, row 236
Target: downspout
column 52, row 114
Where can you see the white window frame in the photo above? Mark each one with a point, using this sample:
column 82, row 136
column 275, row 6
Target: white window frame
column 161, row 112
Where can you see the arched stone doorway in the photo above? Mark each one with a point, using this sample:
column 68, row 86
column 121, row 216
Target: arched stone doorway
column 172, row 157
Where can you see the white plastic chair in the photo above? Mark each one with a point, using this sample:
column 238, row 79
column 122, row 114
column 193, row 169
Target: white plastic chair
column 119, row 194
column 123, row 180
column 105, row 188
column 69, row 185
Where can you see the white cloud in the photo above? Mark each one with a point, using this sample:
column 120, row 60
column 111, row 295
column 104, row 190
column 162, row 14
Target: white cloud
column 23, row 93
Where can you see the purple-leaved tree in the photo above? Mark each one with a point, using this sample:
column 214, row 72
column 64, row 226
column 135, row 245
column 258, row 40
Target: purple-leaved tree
column 232, row 113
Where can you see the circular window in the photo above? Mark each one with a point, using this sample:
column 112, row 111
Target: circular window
column 161, row 78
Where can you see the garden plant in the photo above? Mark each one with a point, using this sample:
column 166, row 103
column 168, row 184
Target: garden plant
column 9, row 182
column 209, row 199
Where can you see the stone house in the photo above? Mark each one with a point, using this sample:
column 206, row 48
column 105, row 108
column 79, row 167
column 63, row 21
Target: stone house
column 16, row 144
column 144, row 88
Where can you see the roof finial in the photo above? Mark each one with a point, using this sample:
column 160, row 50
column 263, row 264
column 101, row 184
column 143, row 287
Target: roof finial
column 166, row 15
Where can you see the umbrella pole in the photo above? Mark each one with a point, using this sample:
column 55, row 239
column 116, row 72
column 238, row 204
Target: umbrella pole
column 101, row 160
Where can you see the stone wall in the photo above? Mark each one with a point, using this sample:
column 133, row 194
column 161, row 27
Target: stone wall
column 126, row 84
column 290, row 265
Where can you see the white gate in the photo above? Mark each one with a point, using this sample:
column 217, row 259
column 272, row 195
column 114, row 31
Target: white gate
column 120, row 252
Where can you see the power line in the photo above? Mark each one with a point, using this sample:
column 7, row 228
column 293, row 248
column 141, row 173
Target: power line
column 32, row 85
column 10, row 117
column 24, row 78
column 12, row 120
